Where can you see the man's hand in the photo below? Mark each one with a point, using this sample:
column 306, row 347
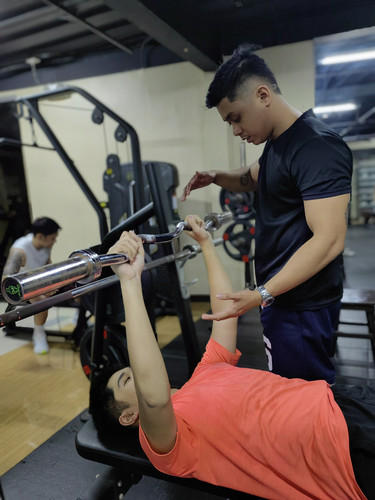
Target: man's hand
column 198, row 233
column 199, row 180
column 243, row 301
column 131, row 245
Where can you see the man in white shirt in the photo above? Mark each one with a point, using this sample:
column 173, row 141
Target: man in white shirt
column 29, row 252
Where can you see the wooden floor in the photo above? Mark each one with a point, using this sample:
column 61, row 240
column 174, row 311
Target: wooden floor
column 41, row 394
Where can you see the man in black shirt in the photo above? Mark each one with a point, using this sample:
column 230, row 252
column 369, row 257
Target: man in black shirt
column 303, row 184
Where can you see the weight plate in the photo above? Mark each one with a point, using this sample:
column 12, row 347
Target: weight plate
column 240, row 204
column 238, row 239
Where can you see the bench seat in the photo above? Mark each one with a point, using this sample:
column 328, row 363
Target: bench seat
column 131, row 463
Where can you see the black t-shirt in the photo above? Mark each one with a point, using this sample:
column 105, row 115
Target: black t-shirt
column 307, row 162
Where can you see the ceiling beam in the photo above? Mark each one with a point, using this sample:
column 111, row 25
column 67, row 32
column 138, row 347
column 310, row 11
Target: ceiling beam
column 88, row 26
column 137, row 13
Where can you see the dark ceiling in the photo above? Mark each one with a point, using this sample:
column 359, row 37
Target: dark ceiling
column 54, row 40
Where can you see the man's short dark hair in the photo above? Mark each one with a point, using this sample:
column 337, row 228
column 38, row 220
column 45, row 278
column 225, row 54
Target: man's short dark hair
column 234, row 72
column 105, row 410
column 45, row 226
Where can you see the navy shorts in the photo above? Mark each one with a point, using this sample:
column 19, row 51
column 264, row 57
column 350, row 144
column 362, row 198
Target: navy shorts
column 300, row 344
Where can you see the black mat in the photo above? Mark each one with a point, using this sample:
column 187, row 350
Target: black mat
column 55, row 471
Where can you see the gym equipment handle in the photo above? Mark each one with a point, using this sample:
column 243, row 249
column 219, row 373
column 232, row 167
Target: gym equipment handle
column 83, row 266
column 212, row 221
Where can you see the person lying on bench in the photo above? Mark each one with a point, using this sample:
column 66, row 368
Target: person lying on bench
column 246, row 429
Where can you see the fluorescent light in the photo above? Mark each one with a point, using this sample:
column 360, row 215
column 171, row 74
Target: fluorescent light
column 335, row 108
column 351, row 57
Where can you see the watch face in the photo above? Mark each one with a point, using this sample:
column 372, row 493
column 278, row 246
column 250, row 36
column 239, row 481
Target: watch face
column 268, row 301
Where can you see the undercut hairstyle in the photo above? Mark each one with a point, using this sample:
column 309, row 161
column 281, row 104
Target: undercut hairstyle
column 105, row 410
column 45, row 226
column 231, row 76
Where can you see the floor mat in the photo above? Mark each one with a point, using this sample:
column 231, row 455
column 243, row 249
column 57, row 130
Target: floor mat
column 54, row 471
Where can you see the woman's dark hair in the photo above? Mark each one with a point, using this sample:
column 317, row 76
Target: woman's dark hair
column 45, row 226
column 234, row 72
column 105, row 410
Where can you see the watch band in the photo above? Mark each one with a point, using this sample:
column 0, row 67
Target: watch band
column 267, row 298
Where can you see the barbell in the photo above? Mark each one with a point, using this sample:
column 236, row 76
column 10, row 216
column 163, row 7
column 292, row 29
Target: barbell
column 84, row 266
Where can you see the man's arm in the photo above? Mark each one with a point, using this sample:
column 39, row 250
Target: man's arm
column 327, row 220
column 16, row 259
column 242, row 179
column 225, row 332
column 151, row 382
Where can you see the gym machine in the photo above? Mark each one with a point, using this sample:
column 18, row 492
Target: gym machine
column 119, row 182
column 140, row 194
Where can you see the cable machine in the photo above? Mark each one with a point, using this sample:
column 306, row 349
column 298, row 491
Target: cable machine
column 158, row 208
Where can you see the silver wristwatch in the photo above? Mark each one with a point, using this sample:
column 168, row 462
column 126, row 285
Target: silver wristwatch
column 267, row 298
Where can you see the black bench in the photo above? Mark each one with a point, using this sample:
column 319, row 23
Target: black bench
column 129, row 464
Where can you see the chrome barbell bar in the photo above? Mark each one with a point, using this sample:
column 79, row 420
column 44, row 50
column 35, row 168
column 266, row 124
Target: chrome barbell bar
column 25, row 311
column 85, row 266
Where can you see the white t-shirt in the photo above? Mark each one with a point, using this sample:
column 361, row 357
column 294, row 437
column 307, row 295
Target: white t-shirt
column 34, row 257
